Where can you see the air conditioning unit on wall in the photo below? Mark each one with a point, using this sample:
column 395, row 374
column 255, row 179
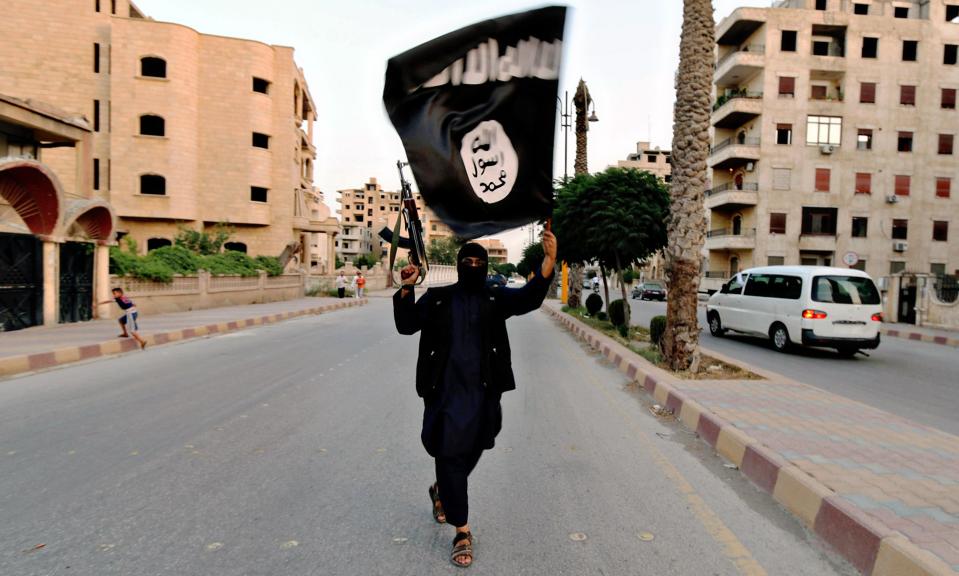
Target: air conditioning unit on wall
column 827, row 148
column 900, row 246
column 892, row 199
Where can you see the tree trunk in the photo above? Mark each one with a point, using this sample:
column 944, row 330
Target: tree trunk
column 581, row 101
column 602, row 271
column 575, row 296
column 622, row 289
column 687, row 221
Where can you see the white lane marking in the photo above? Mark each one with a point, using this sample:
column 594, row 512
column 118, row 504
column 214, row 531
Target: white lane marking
column 646, row 536
column 577, row 537
column 289, row 544
column 214, row 546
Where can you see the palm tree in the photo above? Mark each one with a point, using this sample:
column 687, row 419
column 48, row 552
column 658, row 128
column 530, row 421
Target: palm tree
column 581, row 100
column 687, row 221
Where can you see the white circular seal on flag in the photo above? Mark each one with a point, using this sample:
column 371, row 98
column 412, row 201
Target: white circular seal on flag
column 490, row 161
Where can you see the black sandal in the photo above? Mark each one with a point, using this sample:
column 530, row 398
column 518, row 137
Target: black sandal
column 462, row 547
column 438, row 513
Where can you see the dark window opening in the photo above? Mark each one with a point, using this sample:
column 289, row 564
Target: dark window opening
column 820, row 48
column 867, row 92
column 96, row 57
column 152, row 125
column 870, row 47
column 96, row 115
column 821, row 4
column 819, row 221
column 940, row 231
column 910, row 49
column 784, row 134
column 260, row 85
column 235, row 247
column 860, row 9
column 948, row 98
column 777, row 223
column 818, row 92
column 945, row 144
column 904, row 142
column 153, row 67
column 901, row 12
column 903, row 182
column 258, row 194
column 949, row 54
column 907, row 95
column 787, row 86
column 96, row 4
column 860, row 226
column 788, row 41
column 864, row 139
column 152, row 184
column 96, row 173
column 261, row 140
column 154, row 243
column 952, row 13
column 900, row 229
column 113, row 6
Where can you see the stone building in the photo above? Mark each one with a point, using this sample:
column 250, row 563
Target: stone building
column 498, row 254
column 364, row 212
column 834, row 137
column 654, row 161
column 189, row 129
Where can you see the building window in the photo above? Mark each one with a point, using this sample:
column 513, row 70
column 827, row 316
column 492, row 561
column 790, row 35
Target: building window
column 940, row 231
column 943, row 187
column 96, row 57
column 787, row 86
column 152, row 184
column 863, row 183
column 904, row 142
column 777, row 223
column 784, row 134
column 819, row 221
column 870, row 47
column 823, row 130
column 822, row 179
column 258, row 194
column 96, row 115
column 949, row 54
column 787, row 42
column 902, row 184
column 867, row 92
column 154, row 243
column 151, row 125
column 907, row 95
column 901, row 12
column 113, row 6
column 96, row 173
column 910, row 48
column 937, row 270
column 260, row 85
column 900, row 229
column 952, row 13
column 261, row 140
column 818, row 92
column 235, row 247
column 820, row 48
column 860, row 226
column 896, row 266
column 775, row 260
column 96, row 5
column 821, row 4
column 945, row 144
column 948, row 100
column 782, row 178
column 153, row 67
column 358, row 217
column 860, row 9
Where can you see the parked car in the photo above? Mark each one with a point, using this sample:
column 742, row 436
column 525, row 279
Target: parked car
column 809, row 305
column 495, row 280
column 649, row 291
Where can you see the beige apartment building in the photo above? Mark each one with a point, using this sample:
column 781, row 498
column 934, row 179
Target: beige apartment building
column 654, row 161
column 495, row 249
column 189, row 129
column 835, row 129
column 364, row 212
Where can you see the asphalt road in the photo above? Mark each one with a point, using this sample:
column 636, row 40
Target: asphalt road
column 293, row 449
column 915, row 380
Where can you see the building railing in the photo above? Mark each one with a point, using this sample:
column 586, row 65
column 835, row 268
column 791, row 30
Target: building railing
column 732, row 186
column 751, row 48
column 722, row 232
column 734, row 142
column 729, row 97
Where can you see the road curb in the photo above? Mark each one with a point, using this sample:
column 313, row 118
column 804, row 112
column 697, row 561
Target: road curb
column 14, row 365
column 869, row 545
column 920, row 337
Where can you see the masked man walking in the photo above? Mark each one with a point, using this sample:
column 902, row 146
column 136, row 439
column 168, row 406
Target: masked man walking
column 462, row 370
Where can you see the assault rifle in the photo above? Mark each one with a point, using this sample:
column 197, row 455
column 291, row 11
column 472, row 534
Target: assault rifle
column 414, row 229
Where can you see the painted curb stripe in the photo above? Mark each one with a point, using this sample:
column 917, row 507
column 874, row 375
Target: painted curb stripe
column 708, row 428
column 762, row 467
column 847, row 530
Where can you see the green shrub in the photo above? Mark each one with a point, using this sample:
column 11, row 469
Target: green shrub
column 153, row 270
column 623, row 330
column 628, row 276
column 177, row 258
column 229, row 263
column 121, row 263
column 618, row 312
column 270, row 264
column 594, row 303
column 656, row 328
column 602, row 316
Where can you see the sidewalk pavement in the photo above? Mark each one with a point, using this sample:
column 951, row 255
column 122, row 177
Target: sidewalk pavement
column 921, row 333
column 882, row 490
column 48, row 346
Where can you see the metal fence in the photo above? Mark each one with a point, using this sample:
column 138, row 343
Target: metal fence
column 947, row 289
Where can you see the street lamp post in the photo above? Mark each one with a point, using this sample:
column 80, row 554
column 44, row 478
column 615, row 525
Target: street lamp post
column 565, row 124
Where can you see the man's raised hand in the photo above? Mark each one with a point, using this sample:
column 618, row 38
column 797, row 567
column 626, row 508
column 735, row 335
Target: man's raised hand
column 410, row 274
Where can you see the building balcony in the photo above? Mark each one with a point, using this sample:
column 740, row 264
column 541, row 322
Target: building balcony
column 819, row 242
column 733, row 110
column 730, row 197
column 741, row 63
column 730, row 239
column 733, row 152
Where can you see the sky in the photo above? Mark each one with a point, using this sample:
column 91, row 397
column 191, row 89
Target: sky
column 626, row 50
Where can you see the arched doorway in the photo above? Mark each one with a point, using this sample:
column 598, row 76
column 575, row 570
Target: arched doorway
column 733, row 266
column 235, row 247
column 737, row 225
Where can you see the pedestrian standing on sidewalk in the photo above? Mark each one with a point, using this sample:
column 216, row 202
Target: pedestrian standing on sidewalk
column 340, row 285
column 462, row 370
column 128, row 321
column 360, row 284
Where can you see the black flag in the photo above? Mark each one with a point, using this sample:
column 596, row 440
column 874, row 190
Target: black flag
column 476, row 111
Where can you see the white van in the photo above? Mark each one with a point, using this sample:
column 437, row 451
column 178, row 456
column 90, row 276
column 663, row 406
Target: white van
column 810, row 305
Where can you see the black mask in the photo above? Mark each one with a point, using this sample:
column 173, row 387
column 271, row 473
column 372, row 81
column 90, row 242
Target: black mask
column 471, row 277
